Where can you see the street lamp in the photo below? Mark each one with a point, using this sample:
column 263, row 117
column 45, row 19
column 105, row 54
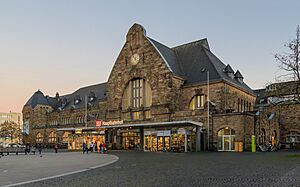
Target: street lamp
column 208, row 101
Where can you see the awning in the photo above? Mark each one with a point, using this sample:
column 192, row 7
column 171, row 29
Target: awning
column 155, row 124
column 168, row 123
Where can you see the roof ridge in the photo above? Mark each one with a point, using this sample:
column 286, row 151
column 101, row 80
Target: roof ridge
column 193, row 42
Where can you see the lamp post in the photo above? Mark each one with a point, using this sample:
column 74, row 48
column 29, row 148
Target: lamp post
column 208, row 101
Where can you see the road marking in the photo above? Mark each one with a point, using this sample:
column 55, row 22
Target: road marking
column 65, row 174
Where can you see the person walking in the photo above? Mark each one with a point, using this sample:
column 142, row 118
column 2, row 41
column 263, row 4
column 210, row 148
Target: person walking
column 100, row 148
column 40, row 149
column 96, row 147
column 83, row 147
column 55, row 148
column 91, row 147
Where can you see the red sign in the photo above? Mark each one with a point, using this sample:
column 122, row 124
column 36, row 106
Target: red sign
column 98, row 123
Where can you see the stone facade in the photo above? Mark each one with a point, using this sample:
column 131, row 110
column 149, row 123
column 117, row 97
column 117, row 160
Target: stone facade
column 230, row 104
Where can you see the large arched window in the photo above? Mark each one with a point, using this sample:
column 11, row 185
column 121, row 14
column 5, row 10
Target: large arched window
column 137, row 95
column 39, row 138
column 52, row 137
column 226, row 139
column 197, row 102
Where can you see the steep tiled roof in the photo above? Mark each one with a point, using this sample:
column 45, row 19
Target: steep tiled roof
column 37, row 98
column 97, row 92
column 190, row 60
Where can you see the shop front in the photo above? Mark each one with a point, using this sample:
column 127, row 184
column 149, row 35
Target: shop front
column 177, row 136
column 78, row 136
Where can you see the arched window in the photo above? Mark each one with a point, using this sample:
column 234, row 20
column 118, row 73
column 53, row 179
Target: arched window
column 197, row 102
column 39, row 138
column 137, row 95
column 226, row 139
column 52, row 137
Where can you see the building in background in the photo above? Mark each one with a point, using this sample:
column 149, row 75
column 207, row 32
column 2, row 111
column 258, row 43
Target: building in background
column 278, row 116
column 11, row 117
column 156, row 98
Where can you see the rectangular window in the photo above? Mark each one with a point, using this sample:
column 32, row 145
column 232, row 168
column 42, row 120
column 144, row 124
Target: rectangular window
column 137, row 89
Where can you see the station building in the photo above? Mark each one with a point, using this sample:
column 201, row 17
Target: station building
column 157, row 98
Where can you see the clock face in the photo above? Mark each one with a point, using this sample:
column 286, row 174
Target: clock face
column 135, row 59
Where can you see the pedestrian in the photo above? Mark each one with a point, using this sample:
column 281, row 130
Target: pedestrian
column 40, row 149
column 104, row 148
column 96, row 146
column 27, row 149
column 55, row 148
column 100, row 148
column 83, row 147
column 91, row 146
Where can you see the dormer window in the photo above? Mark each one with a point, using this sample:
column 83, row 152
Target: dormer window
column 239, row 76
column 229, row 71
column 77, row 99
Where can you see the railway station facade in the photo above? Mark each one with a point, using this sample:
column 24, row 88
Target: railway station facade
column 157, row 98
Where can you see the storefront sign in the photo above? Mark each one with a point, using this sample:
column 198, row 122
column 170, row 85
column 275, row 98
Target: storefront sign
column 111, row 123
column 78, row 131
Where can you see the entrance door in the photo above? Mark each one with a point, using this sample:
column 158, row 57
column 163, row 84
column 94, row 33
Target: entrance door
column 226, row 143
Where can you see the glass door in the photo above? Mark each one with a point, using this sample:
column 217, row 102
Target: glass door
column 226, row 143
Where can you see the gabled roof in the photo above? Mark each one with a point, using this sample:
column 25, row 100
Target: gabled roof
column 37, row 98
column 189, row 60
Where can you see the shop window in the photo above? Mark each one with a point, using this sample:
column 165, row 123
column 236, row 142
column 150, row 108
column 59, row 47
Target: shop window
column 197, row 102
column 52, row 137
column 65, row 137
column 293, row 137
column 39, row 138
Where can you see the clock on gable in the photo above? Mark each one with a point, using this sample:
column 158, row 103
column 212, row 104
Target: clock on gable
column 135, row 58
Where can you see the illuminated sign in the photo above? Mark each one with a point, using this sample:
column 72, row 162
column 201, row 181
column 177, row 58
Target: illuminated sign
column 111, row 123
column 99, row 123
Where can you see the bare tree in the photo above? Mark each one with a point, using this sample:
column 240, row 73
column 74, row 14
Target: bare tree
column 290, row 61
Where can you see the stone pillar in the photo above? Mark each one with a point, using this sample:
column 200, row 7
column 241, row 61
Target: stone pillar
column 198, row 138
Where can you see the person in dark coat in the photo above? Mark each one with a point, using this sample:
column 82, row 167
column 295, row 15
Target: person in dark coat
column 83, row 147
column 39, row 147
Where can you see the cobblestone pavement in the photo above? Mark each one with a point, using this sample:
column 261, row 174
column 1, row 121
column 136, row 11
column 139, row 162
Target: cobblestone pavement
column 190, row 169
column 21, row 168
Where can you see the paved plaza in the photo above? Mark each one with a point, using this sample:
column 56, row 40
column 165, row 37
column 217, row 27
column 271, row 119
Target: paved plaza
column 172, row 169
column 21, row 168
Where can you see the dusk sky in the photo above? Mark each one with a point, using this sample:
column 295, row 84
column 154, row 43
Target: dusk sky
column 60, row 46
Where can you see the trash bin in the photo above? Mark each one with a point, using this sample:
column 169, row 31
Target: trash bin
column 240, row 146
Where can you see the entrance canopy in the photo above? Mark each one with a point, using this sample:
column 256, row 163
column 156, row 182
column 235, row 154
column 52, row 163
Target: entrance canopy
column 155, row 124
